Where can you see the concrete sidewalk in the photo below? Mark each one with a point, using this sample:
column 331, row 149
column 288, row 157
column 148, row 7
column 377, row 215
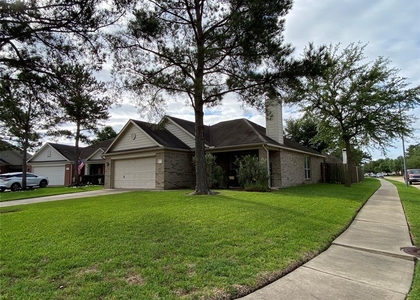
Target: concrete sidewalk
column 365, row 262
column 63, row 197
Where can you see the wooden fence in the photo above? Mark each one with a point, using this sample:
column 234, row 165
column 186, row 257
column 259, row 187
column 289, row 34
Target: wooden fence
column 334, row 173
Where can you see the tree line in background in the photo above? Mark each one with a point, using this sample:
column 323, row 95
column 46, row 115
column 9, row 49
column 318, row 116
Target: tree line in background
column 198, row 50
column 396, row 166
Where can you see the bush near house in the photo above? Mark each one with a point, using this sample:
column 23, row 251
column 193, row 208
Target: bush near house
column 252, row 173
column 213, row 171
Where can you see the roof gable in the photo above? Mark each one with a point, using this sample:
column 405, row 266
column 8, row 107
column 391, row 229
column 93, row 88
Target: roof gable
column 189, row 127
column 143, row 135
column 10, row 157
column 161, row 135
column 54, row 152
column 92, row 151
column 97, row 155
column 132, row 137
column 179, row 131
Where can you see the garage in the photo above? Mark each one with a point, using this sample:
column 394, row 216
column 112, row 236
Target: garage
column 55, row 174
column 135, row 173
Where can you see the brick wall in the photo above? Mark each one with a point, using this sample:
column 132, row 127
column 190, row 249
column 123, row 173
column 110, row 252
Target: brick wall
column 178, row 171
column 275, row 169
column 292, row 169
column 109, row 181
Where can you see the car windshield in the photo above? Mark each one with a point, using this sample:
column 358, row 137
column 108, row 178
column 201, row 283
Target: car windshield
column 416, row 171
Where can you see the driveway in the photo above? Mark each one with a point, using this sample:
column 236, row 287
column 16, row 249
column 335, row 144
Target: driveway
column 63, row 197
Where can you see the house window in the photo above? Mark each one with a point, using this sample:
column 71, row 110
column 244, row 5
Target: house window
column 307, row 167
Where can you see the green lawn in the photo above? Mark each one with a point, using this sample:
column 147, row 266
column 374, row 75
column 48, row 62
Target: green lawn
column 410, row 198
column 169, row 245
column 48, row 191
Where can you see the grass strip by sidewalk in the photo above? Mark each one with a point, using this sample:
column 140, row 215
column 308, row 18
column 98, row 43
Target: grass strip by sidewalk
column 410, row 198
column 169, row 245
column 48, row 191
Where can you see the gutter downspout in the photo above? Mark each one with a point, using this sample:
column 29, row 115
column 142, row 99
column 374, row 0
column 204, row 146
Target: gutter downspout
column 268, row 166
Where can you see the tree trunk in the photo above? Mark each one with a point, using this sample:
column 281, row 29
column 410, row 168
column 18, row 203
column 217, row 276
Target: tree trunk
column 24, row 158
column 77, row 157
column 347, row 175
column 201, row 187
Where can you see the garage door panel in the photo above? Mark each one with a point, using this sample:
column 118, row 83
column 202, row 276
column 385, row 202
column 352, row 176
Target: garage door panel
column 55, row 174
column 135, row 173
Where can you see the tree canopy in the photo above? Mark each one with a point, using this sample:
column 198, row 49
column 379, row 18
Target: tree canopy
column 358, row 103
column 202, row 51
column 36, row 35
column 24, row 116
column 387, row 165
column 82, row 102
column 305, row 132
column 104, row 134
column 39, row 39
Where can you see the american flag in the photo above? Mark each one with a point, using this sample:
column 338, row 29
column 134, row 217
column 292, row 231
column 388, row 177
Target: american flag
column 81, row 165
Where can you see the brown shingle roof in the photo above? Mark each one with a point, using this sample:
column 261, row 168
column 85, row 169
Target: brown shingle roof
column 238, row 132
column 68, row 151
column 234, row 133
column 161, row 135
column 190, row 127
column 89, row 150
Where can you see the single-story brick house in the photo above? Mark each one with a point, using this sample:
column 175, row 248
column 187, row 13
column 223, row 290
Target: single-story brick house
column 160, row 156
column 56, row 161
column 10, row 158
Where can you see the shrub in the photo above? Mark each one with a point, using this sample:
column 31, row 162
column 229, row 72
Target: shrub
column 214, row 172
column 252, row 173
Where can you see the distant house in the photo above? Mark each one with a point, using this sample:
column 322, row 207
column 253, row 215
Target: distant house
column 159, row 156
column 56, row 161
column 10, row 158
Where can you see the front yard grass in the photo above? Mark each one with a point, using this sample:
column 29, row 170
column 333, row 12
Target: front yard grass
column 169, row 245
column 410, row 198
column 48, row 191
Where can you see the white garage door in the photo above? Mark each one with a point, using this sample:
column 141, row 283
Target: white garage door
column 55, row 174
column 135, row 173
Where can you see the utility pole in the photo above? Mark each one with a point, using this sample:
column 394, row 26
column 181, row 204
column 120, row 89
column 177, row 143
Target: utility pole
column 404, row 162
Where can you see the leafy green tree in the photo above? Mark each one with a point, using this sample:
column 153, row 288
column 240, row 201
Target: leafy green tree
column 358, row 103
column 413, row 157
column 252, row 173
column 358, row 156
column 398, row 165
column 24, row 116
column 104, row 134
column 202, row 51
column 305, row 131
column 83, row 104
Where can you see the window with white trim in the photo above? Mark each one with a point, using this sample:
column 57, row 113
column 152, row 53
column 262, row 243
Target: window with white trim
column 307, row 167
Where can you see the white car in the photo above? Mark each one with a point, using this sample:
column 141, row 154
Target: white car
column 13, row 181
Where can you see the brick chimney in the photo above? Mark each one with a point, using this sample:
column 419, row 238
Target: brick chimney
column 274, row 120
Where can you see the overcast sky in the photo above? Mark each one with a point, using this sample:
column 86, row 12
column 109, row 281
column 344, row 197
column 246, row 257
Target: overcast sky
column 390, row 27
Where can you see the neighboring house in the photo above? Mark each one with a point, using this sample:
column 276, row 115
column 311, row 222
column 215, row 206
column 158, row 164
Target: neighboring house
column 94, row 163
column 10, row 158
column 56, row 161
column 151, row 156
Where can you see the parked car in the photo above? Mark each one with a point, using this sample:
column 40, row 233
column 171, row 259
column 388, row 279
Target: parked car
column 13, row 181
column 413, row 175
